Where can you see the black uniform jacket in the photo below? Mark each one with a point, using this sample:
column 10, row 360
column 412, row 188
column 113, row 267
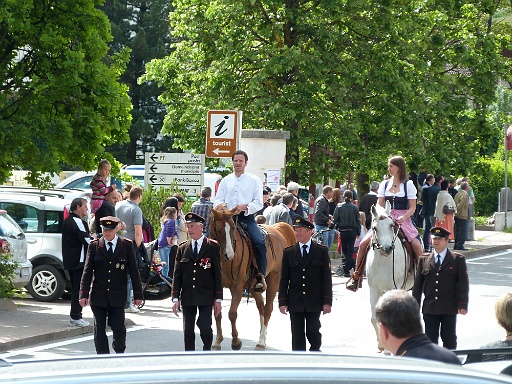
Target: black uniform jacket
column 73, row 241
column 197, row 282
column 421, row 347
column 306, row 285
column 447, row 290
column 109, row 277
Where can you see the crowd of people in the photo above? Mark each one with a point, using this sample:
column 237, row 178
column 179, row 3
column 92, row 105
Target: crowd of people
column 107, row 251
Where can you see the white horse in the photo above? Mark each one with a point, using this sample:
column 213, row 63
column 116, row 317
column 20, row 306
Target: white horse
column 388, row 265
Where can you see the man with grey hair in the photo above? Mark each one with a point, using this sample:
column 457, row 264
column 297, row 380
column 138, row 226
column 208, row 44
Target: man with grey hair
column 400, row 332
column 293, row 188
column 365, row 205
column 281, row 212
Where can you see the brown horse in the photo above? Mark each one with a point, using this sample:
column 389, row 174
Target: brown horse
column 236, row 269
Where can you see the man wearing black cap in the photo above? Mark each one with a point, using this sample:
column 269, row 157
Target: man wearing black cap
column 305, row 289
column 442, row 277
column 109, row 261
column 197, row 283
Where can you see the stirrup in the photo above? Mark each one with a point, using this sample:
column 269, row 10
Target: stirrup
column 260, row 285
column 354, row 284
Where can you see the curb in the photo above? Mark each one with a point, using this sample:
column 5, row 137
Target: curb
column 484, row 251
column 51, row 336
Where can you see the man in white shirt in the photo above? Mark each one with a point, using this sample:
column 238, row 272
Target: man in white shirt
column 245, row 191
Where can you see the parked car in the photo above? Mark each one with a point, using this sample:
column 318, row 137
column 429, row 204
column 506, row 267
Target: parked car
column 13, row 240
column 241, row 367
column 82, row 180
column 61, row 193
column 41, row 216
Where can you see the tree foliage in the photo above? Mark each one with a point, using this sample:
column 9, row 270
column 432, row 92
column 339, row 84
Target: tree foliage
column 143, row 27
column 60, row 101
column 353, row 81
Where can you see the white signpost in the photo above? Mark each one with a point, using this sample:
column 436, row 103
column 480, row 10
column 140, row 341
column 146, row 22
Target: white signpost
column 186, row 169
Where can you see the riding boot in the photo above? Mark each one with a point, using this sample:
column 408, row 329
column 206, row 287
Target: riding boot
column 356, row 281
column 260, row 285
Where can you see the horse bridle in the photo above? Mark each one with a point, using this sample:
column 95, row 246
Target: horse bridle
column 377, row 245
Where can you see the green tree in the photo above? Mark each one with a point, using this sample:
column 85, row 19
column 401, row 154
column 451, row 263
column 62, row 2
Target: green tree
column 353, row 81
column 60, row 101
column 143, row 27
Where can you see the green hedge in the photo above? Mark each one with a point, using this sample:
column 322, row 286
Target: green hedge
column 154, row 198
column 7, row 269
column 487, row 180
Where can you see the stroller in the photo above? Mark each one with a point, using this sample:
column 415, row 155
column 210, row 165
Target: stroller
column 155, row 286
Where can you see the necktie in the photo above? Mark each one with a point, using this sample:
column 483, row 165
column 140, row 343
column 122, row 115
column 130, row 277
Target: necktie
column 304, row 251
column 438, row 262
column 110, row 250
column 195, row 249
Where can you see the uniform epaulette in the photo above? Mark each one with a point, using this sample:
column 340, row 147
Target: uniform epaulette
column 322, row 245
column 183, row 242
column 95, row 239
column 290, row 246
column 130, row 240
column 213, row 240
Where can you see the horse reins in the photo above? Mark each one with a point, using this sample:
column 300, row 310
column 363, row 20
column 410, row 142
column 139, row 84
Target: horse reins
column 376, row 244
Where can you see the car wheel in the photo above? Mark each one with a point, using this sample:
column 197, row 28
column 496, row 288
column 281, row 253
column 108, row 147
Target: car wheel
column 46, row 283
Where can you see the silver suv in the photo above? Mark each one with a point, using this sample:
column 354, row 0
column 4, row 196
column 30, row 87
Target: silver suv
column 41, row 215
column 12, row 240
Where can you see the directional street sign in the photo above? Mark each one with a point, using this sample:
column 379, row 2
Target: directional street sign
column 186, row 169
column 223, row 133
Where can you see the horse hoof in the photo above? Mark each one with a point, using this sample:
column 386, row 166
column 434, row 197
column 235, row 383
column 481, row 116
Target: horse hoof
column 259, row 347
column 216, row 348
column 236, row 347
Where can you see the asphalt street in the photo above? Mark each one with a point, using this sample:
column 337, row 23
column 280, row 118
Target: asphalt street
column 346, row 330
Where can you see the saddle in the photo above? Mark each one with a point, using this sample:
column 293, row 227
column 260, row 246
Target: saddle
column 254, row 270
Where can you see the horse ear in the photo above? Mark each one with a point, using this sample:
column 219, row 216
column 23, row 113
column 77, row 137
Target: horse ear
column 388, row 207
column 215, row 213
column 233, row 211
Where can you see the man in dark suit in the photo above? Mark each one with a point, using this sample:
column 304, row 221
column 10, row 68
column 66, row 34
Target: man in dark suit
column 400, row 332
column 109, row 261
column 367, row 202
column 75, row 241
column 197, row 282
column 443, row 278
column 305, row 289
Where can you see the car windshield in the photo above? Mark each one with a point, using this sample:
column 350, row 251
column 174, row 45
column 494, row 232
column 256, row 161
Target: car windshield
column 8, row 227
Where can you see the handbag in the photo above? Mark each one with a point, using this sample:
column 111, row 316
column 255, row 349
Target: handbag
column 447, row 209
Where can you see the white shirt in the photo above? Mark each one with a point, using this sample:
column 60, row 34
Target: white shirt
column 411, row 189
column 442, row 254
column 199, row 243
column 308, row 244
column 246, row 189
column 113, row 241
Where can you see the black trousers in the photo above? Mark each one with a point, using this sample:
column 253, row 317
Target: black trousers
column 448, row 324
column 204, row 323
column 460, row 232
column 75, row 275
column 116, row 318
column 311, row 322
column 348, row 238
